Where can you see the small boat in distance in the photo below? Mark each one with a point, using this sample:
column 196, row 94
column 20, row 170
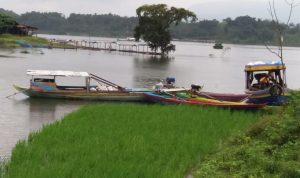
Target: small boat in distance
column 218, row 46
column 43, row 85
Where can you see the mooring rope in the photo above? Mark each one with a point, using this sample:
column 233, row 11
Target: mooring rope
column 12, row 94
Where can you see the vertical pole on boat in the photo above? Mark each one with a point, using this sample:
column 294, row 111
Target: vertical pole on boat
column 246, row 80
column 87, row 80
column 284, row 78
column 32, row 80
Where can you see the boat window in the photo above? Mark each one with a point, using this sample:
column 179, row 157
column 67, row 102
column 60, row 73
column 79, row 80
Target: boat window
column 44, row 80
column 70, row 81
column 263, row 79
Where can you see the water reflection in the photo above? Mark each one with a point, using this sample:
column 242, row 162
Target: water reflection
column 150, row 70
column 19, row 53
column 19, row 117
column 191, row 63
column 160, row 62
column 7, row 53
column 43, row 111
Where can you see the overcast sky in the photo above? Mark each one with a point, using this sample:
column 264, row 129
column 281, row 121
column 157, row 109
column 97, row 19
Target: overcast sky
column 205, row 9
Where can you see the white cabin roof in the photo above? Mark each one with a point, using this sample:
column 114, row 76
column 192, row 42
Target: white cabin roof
column 57, row 73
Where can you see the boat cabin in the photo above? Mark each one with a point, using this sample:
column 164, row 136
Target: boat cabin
column 45, row 81
column 262, row 76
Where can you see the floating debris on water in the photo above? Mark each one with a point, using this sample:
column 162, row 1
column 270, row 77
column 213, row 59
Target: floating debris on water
column 25, row 52
column 6, row 56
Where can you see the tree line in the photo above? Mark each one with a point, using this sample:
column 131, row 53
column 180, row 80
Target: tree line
column 241, row 30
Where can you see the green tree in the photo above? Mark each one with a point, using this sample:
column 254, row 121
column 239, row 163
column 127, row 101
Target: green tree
column 154, row 24
column 45, row 22
column 6, row 23
column 280, row 28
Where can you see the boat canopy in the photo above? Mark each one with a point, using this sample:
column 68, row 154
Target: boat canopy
column 264, row 66
column 57, row 73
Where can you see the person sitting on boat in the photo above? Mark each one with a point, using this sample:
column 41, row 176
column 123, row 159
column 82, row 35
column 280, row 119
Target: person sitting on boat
column 272, row 78
column 265, row 81
column 262, row 81
column 159, row 86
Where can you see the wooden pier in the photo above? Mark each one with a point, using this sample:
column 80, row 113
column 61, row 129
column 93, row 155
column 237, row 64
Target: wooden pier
column 118, row 46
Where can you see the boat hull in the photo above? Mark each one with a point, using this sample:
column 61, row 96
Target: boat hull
column 157, row 98
column 224, row 96
column 83, row 95
column 263, row 96
column 269, row 100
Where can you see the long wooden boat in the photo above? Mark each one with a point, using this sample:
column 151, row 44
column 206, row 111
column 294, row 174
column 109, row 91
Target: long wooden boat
column 43, row 85
column 165, row 98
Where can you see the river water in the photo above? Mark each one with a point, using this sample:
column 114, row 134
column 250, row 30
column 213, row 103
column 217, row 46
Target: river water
column 216, row 70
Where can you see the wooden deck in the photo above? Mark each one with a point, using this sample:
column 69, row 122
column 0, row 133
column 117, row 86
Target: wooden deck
column 117, row 46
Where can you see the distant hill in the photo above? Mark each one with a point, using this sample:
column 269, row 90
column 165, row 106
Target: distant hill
column 241, row 30
column 107, row 25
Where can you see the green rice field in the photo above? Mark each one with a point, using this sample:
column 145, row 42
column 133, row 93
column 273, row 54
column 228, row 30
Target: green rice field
column 126, row 140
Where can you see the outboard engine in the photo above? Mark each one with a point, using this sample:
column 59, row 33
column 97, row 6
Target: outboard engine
column 170, row 81
column 195, row 88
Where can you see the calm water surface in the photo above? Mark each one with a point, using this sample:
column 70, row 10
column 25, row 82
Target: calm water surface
column 217, row 70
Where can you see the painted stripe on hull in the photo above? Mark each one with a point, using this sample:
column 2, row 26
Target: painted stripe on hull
column 163, row 100
column 104, row 96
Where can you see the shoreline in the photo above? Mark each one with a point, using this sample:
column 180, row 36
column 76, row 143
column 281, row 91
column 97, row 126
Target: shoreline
column 9, row 41
column 177, row 40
